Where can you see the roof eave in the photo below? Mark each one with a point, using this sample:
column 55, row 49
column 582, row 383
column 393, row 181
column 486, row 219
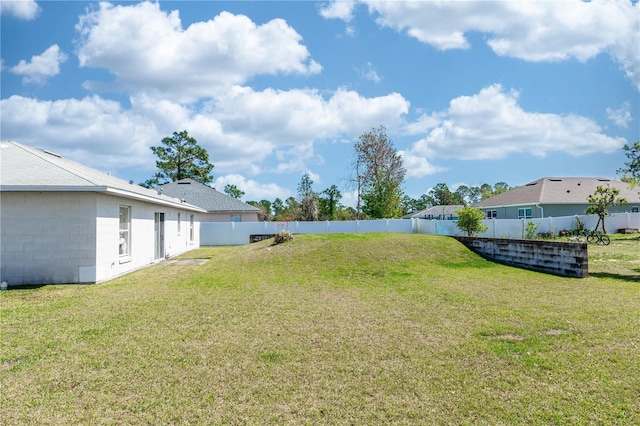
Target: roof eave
column 101, row 189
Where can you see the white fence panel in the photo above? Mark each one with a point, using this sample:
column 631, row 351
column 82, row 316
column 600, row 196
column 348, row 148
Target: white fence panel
column 239, row 233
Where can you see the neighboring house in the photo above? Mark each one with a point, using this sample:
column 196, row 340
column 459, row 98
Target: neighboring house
column 219, row 207
column 554, row 197
column 447, row 212
column 63, row 222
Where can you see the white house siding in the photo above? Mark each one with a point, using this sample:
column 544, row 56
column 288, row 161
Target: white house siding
column 47, row 237
column 142, row 243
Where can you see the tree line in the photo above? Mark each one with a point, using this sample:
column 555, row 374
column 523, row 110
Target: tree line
column 377, row 177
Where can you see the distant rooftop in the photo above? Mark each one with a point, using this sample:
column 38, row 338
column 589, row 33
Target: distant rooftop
column 557, row 190
column 206, row 197
column 435, row 212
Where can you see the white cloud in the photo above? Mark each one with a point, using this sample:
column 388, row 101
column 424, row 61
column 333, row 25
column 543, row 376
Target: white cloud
column 253, row 190
column 342, row 9
column 241, row 131
column 22, row 9
column 41, row 66
column 94, row 131
column 621, row 116
column 491, row 125
column 528, row 30
column 369, row 73
column 288, row 123
column 417, row 165
column 423, row 124
column 148, row 50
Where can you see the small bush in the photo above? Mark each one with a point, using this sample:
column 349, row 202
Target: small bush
column 530, row 230
column 470, row 220
column 282, row 237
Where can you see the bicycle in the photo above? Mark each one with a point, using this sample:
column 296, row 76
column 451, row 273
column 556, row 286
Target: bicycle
column 598, row 238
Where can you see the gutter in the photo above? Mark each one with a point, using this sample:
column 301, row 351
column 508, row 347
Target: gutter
column 168, row 201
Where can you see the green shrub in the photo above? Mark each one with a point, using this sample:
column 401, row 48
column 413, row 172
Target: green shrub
column 470, row 220
column 530, row 230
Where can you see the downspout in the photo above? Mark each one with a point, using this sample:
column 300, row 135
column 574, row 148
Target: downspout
column 541, row 210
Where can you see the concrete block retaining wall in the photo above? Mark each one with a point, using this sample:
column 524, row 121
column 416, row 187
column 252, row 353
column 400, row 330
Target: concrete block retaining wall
column 558, row 258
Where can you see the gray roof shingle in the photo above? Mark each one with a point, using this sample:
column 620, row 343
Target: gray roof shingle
column 24, row 168
column 436, row 211
column 557, row 190
column 206, row 197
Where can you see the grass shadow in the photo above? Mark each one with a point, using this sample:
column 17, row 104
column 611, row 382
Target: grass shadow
column 25, row 287
column 634, row 278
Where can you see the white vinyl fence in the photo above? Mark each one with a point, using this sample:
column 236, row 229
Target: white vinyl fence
column 240, row 233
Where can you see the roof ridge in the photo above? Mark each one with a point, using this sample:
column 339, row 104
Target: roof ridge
column 543, row 182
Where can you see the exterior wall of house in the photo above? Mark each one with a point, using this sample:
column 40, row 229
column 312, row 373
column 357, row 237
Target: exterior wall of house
column 228, row 217
column 142, row 249
column 73, row 237
column 512, row 212
column 553, row 210
column 47, row 237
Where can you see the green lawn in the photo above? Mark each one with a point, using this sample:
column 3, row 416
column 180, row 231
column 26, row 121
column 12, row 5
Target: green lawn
column 330, row 329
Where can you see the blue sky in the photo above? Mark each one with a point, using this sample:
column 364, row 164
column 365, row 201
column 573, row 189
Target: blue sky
column 469, row 92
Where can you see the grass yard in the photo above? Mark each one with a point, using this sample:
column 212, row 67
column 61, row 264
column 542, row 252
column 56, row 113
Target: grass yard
column 330, row 329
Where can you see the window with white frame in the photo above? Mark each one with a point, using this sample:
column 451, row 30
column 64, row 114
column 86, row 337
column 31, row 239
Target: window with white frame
column 524, row 213
column 124, row 241
column 191, row 233
column 492, row 214
column 236, row 218
column 179, row 218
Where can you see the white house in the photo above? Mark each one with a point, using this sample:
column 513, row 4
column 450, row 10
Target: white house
column 63, row 222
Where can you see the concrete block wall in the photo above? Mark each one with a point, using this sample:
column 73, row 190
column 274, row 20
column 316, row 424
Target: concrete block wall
column 46, row 237
column 72, row 237
column 142, row 248
column 558, row 258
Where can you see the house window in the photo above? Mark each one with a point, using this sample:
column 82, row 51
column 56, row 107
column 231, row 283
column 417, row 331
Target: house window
column 524, row 213
column 124, row 242
column 179, row 223
column 191, row 228
column 492, row 214
column 236, row 218
column 635, row 209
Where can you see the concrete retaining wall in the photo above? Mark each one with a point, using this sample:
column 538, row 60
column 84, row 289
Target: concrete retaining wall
column 558, row 258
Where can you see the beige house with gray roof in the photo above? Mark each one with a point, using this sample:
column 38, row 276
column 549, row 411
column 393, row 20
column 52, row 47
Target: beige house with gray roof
column 554, row 197
column 63, row 222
